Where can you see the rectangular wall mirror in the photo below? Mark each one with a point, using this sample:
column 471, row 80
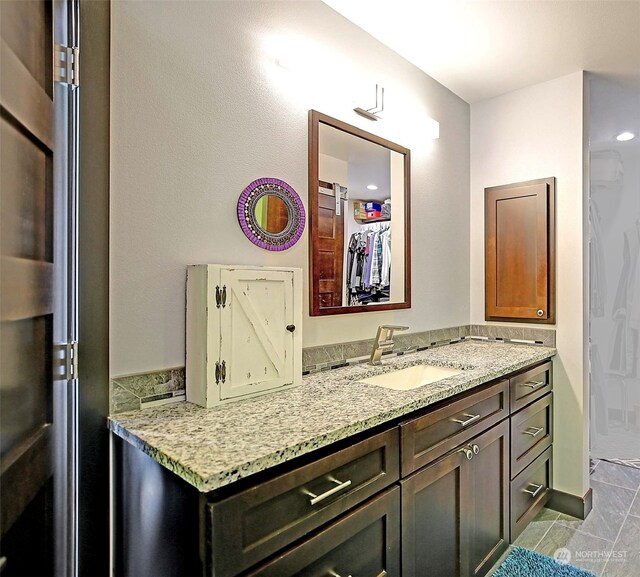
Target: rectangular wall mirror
column 359, row 218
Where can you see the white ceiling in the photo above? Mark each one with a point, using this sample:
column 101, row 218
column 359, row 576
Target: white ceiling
column 482, row 48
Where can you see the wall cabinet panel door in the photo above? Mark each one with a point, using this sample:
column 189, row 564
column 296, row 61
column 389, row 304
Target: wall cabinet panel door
column 520, row 251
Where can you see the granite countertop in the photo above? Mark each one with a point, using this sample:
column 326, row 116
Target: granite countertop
column 211, row 448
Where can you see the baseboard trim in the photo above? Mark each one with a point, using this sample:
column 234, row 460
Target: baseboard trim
column 572, row 505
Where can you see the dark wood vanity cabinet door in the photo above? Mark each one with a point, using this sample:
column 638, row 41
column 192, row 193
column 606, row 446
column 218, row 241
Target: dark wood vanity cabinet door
column 363, row 543
column 455, row 512
column 489, row 516
column 435, row 503
column 520, row 251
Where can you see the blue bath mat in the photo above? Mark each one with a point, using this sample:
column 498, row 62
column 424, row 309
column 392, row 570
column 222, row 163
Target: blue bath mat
column 524, row 563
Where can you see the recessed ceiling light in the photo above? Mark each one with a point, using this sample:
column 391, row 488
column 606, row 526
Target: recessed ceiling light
column 624, row 136
column 374, row 187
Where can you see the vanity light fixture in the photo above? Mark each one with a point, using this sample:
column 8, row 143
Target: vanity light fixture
column 624, row 136
column 372, row 113
column 372, row 187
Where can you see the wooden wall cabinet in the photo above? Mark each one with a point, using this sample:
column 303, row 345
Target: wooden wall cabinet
column 244, row 331
column 520, row 281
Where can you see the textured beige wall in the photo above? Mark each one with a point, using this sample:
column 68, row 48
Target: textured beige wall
column 537, row 132
column 200, row 109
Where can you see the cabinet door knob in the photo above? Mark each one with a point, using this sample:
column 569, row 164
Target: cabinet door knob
column 468, row 453
column 540, row 312
column 475, row 449
column 291, row 328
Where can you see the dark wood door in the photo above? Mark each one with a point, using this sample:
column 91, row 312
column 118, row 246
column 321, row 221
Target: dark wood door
column 520, row 251
column 330, row 252
column 455, row 519
column 489, row 492
column 26, row 286
column 434, row 523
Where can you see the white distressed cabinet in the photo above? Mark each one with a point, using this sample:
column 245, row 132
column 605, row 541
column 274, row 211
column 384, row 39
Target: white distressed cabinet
column 244, row 331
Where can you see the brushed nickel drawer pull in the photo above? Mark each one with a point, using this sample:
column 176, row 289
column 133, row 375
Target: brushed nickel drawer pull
column 315, row 499
column 536, row 431
column 332, row 573
column 534, row 493
column 470, row 420
column 533, row 384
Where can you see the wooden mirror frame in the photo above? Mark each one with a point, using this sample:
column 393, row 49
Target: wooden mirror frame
column 315, row 119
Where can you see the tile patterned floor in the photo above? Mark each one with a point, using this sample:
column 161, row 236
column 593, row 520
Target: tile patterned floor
column 607, row 542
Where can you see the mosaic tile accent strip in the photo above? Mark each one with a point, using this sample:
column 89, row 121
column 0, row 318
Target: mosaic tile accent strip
column 508, row 333
column 147, row 389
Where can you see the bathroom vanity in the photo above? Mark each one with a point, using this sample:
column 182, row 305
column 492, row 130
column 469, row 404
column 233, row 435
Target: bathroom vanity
column 339, row 477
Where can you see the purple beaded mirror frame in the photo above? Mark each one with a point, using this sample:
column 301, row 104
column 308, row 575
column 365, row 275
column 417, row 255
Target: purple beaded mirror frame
column 254, row 232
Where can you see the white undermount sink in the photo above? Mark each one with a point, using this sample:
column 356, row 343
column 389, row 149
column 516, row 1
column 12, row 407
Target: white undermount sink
column 412, row 377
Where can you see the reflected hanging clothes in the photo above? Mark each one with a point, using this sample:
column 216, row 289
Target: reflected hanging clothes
column 369, row 264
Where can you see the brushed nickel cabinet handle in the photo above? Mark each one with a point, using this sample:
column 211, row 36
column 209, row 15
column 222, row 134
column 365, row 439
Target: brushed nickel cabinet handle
column 315, row 499
column 332, row 573
column 535, row 432
column 533, row 384
column 470, row 419
column 537, row 490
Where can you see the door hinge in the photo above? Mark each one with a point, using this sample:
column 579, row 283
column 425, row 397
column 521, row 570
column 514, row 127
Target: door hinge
column 221, row 296
column 66, row 66
column 221, row 372
column 66, row 356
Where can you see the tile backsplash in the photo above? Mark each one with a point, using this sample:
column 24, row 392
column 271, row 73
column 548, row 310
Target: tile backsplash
column 132, row 392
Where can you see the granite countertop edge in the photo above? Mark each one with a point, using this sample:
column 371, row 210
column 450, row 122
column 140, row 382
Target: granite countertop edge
column 134, row 426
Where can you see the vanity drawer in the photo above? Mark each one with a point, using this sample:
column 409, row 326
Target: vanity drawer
column 250, row 526
column 531, row 433
column 531, row 385
column 428, row 437
column 365, row 542
column 530, row 491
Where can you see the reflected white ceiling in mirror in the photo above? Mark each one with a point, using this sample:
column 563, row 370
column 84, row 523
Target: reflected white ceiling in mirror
column 368, row 162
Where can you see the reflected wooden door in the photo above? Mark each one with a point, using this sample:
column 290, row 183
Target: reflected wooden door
column 26, row 287
column 330, row 251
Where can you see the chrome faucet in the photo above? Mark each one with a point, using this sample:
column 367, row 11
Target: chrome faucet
column 383, row 342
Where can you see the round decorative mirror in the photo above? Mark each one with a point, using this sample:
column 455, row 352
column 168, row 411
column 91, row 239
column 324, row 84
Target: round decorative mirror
column 271, row 214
